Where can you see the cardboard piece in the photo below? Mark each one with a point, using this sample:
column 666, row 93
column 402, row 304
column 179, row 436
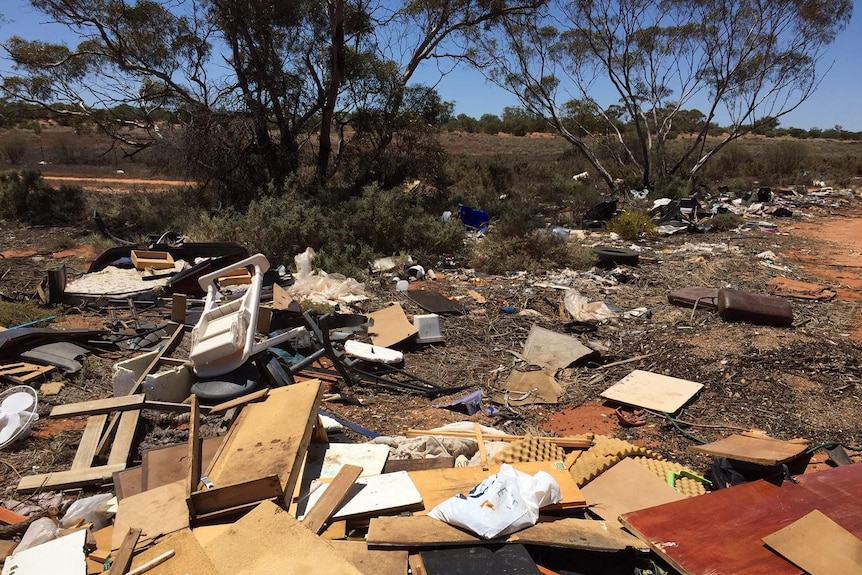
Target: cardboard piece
column 553, row 350
column 374, row 495
column 761, row 450
column 627, row 486
column 268, row 541
column 818, row 546
column 531, row 387
column 62, row 556
column 652, row 391
column 390, row 326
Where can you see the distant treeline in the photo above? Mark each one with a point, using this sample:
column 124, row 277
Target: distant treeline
column 514, row 120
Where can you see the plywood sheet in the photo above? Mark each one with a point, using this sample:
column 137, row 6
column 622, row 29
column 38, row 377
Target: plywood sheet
column 372, row 562
column 568, row 533
column 168, row 464
column 155, row 512
column 652, row 391
column 189, row 556
column 374, row 495
column 270, row 438
column 818, row 546
column 553, row 350
column 438, row 485
column 390, row 326
column 760, row 450
column 627, row 486
column 268, row 541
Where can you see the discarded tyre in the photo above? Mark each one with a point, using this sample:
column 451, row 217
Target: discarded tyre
column 615, row 256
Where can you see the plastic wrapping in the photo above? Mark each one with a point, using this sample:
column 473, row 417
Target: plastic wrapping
column 503, row 503
column 581, row 309
column 91, row 509
column 40, row 531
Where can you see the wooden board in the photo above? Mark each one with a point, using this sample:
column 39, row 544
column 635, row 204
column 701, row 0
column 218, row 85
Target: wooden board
column 818, row 546
column 128, row 482
column 9, row 517
column 89, row 442
column 121, row 559
column 100, row 406
column 68, row 479
column 371, row 562
column 189, row 557
column 373, row 495
column 268, row 541
column 627, row 486
column 324, row 460
column 438, row 485
column 165, row 465
column 759, row 450
column 419, row 464
column 124, row 438
column 229, row 499
column 156, row 512
column 652, row 391
column 479, row 560
column 569, row 533
column 270, row 438
column 329, row 502
column 739, row 517
column 390, row 326
column 242, row 400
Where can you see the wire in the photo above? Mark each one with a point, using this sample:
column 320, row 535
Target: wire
column 676, row 426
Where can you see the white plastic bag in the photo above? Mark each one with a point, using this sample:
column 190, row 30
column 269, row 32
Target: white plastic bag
column 503, row 503
column 581, row 309
column 40, row 531
column 89, row 509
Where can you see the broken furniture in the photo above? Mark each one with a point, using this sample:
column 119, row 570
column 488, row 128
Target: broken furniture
column 735, row 305
column 224, row 337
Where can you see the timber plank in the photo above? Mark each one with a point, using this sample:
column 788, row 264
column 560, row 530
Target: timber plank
column 569, row 533
column 218, row 499
column 122, row 445
column 69, row 479
column 100, row 406
column 336, row 492
column 760, row 450
column 270, row 438
column 89, row 442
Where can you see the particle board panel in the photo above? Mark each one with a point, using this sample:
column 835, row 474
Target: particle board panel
column 268, row 541
column 568, row 533
column 189, row 556
column 270, row 438
column 479, row 560
column 759, row 450
column 818, row 546
column 156, row 512
column 438, row 485
column 372, row 562
column 627, row 486
column 652, row 391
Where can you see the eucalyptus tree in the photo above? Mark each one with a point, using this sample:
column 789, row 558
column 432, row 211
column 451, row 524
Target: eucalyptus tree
column 745, row 62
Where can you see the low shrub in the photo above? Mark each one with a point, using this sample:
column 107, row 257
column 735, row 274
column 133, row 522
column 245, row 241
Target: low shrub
column 25, row 196
column 631, row 225
column 498, row 254
column 725, row 222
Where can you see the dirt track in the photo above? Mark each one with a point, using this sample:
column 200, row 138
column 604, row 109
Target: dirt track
column 118, row 185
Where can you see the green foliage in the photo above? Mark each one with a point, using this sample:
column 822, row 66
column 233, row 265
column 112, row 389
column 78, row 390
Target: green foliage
column 631, row 225
column 786, row 159
column 540, row 249
column 14, row 148
column 136, row 214
column 16, row 313
column 25, row 196
column 725, row 222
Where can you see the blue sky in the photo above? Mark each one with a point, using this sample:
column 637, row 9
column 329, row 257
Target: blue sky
column 836, row 102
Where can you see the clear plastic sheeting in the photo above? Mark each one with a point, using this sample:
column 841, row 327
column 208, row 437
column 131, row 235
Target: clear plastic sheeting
column 317, row 286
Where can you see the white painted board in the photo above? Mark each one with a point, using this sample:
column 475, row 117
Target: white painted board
column 62, row 556
column 374, row 495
